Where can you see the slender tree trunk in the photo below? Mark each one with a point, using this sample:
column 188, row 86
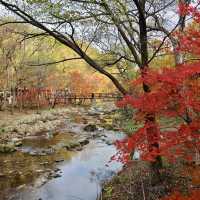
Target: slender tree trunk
column 150, row 117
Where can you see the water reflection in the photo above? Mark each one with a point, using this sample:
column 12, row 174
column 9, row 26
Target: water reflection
column 19, row 168
column 81, row 177
column 81, row 172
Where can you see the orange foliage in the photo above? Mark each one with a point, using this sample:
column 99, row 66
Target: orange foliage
column 83, row 83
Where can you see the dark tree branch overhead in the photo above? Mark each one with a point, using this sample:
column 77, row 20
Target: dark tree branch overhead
column 64, row 40
column 119, row 29
column 54, row 62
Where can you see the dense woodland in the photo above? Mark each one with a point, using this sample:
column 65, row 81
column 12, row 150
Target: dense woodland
column 145, row 50
column 32, row 63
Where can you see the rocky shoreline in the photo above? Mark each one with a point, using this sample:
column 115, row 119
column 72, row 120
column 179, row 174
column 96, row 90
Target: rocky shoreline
column 48, row 122
column 13, row 132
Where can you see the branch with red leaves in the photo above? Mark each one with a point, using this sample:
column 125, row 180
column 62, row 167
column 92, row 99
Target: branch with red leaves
column 175, row 93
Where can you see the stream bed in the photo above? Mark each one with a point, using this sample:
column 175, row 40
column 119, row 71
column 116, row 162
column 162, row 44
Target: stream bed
column 61, row 174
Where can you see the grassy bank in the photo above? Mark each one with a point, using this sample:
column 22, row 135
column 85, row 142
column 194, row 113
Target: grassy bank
column 135, row 182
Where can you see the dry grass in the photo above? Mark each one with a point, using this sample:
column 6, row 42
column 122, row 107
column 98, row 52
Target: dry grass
column 136, row 182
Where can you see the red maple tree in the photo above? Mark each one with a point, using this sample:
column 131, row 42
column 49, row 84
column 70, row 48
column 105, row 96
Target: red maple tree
column 174, row 94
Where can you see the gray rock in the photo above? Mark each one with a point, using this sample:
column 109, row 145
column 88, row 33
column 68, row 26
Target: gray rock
column 109, row 142
column 57, row 175
column 83, row 141
column 57, row 170
column 79, row 149
column 16, row 142
column 90, row 128
column 41, row 152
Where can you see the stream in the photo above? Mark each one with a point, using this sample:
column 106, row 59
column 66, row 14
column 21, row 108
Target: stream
column 34, row 172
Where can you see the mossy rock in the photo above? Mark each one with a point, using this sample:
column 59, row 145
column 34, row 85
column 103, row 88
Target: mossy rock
column 72, row 145
column 7, row 148
column 2, row 130
column 108, row 121
column 108, row 126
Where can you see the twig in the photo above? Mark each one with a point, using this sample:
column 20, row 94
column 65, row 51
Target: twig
column 143, row 192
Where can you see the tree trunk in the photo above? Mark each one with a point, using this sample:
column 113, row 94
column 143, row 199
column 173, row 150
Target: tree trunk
column 150, row 117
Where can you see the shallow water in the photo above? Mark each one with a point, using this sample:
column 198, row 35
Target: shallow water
column 20, row 169
column 80, row 174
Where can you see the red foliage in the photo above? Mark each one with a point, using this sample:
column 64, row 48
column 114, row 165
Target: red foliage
column 174, row 93
column 31, row 97
column 194, row 195
column 190, row 40
column 188, row 9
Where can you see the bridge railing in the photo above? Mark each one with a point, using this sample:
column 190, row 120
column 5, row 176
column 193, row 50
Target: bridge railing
column 31, row 97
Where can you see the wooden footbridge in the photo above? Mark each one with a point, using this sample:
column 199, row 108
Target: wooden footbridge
column 27, row 97
column 64, row 98
column 90, row 96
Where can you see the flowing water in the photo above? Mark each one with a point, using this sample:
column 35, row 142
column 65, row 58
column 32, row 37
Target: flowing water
column 61, row 175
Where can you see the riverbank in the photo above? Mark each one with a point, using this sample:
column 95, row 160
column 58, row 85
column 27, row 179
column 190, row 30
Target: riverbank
column 47, row 143
column 72, row 153
column 18, row 126
column 136, row 182
column 14, row 128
